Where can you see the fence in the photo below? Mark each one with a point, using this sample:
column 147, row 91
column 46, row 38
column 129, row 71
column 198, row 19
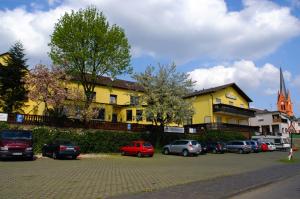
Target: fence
column 39, row 120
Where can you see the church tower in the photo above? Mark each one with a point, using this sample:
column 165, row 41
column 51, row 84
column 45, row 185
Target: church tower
column 284, row 103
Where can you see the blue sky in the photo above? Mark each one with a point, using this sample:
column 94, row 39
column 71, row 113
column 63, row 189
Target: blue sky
column 215, row 41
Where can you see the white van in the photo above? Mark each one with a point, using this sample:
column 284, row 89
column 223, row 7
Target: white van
column 281, row 143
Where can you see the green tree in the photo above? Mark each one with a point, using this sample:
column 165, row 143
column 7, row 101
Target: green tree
column 163, row 93
column 12, row 84
column 86, row 46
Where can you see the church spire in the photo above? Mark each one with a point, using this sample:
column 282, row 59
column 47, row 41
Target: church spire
column 284, row 103
column 283, row 90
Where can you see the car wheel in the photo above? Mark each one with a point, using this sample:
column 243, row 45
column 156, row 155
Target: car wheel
column 122, row 153
column 241, row 151
column 151, row 155
column 54, row 155
column 166, row 151
column 214, row 151
column 74, row 157
column 185, row 153
column 30, row 158
column 139, row 154
column 43, row 153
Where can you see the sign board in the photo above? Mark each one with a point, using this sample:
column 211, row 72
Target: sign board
column 19, row 118
column 192, row 130
column 3, row 117
column 291, row 129
column 230, row 96
column 169, row 129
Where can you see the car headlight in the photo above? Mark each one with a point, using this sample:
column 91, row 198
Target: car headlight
column 4, row 148
column 29, row 149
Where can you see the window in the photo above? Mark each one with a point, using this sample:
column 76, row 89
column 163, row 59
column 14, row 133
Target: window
column 149, row 117
column 218, row 101
column 128, row 115
column 101, row 114
column 207, row 119
column 219, row 119
column 147, row 144
column 113, row 99
column 139, row 115
column 134, row 100
column 231, row 103
column 183, row 142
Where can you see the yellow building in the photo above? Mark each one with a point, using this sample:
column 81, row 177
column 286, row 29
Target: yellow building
column 117, row 101
column 3, row 57
column 225, row 106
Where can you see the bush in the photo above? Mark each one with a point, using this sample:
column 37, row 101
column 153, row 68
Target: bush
column 89, row 142
column 111, row 141
column 216, row 136
column 4, row 125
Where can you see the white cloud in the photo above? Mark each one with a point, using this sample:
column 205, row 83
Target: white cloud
column 181, row 30
column 296, row 82
column 264, row 80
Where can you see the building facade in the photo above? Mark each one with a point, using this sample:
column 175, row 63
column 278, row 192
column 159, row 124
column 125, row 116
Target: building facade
column 225, row 107
column 115, row 100
column 271, row 122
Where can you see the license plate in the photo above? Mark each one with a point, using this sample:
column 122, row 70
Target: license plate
column 70, row 148
column 16, row 153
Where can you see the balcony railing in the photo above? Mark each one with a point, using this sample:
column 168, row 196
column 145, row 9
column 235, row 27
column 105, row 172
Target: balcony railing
column 39, row 120
column 228, row 109
column 222, row 127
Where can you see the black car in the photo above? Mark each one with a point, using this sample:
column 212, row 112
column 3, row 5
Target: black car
column 216, row 147
column 204, row 148
column 61, row 148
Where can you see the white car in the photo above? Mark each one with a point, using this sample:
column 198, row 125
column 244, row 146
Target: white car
column 271, row 146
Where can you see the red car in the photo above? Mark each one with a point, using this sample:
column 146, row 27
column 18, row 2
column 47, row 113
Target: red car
column 264, row 147
column 139, row 148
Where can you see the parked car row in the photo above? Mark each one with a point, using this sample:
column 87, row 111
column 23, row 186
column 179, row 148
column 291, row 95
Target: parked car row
column 19, row 143
column 195, row 148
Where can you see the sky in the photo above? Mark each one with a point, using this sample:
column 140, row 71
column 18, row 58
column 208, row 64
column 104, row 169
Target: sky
column 214, row 41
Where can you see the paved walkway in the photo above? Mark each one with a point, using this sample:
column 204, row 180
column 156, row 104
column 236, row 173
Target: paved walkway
column 288, row 188
column 223, row 187
column 103, row 176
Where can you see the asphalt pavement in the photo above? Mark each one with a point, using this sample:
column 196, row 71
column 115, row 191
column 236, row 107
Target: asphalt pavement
column 234, row 186
column 288, row 189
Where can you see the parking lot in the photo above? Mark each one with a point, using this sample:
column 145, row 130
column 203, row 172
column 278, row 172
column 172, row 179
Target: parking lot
column 109, row 175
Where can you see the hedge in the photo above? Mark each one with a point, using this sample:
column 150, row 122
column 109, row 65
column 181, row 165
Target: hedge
column 89, row 142
column 111, row 141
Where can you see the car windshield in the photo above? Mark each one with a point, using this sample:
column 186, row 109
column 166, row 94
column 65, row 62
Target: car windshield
column 194, row 142
column 16, row 135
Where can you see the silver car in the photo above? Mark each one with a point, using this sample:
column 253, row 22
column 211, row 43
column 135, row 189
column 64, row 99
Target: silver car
column 239, row 146
column 184, row 147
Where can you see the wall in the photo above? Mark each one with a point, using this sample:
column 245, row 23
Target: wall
column 203, row 106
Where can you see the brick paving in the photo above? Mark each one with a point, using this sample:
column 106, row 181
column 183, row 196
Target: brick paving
column 113, row 175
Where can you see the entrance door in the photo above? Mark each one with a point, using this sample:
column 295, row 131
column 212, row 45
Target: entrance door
column 114, row 117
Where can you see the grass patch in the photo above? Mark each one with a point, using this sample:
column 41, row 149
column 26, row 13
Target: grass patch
column 294, row 160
